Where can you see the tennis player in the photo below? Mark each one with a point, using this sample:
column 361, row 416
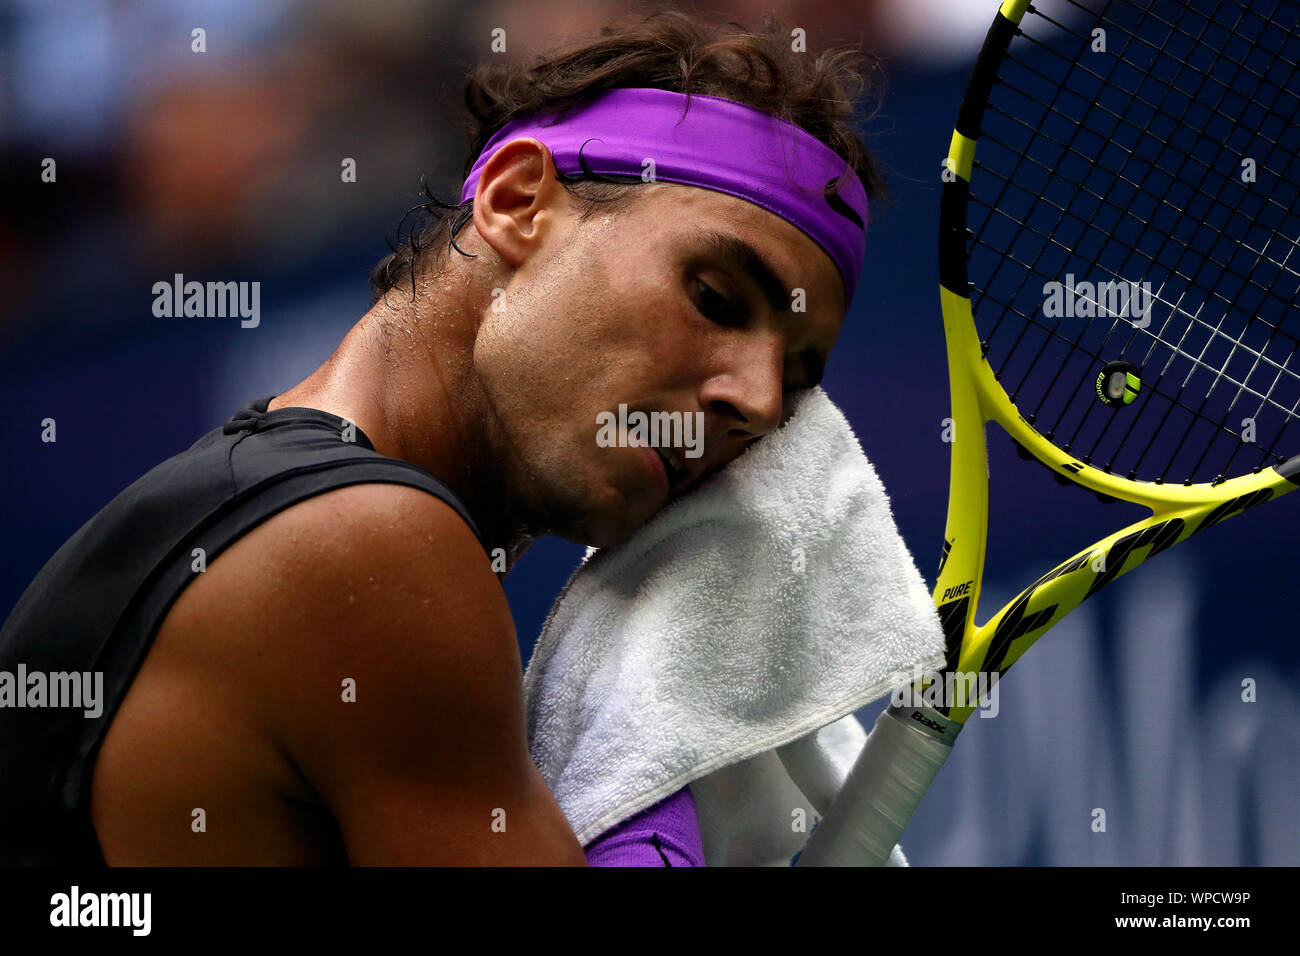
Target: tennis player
column 305, row 650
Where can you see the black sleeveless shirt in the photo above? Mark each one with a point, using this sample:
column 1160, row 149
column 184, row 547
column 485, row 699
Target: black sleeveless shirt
column 96, row 605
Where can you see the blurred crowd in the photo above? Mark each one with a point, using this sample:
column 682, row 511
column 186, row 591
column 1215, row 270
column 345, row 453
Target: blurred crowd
column 227, row 160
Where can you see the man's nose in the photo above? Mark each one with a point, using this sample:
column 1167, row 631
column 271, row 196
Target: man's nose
column 748, row 391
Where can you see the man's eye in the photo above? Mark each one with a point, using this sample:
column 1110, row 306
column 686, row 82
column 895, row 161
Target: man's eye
column 715, row 306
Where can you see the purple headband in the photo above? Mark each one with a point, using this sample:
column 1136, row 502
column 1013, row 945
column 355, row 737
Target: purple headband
column 718, row 144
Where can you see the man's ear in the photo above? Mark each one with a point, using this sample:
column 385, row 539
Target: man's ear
column 517, row 199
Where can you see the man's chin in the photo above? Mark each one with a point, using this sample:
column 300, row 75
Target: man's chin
column 599, row 513
column 605, row 529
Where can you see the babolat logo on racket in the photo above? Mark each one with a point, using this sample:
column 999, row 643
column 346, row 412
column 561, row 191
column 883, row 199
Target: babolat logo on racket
column 1119, row 384
column 920, row 718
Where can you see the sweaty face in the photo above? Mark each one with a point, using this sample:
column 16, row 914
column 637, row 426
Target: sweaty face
column 681, row 301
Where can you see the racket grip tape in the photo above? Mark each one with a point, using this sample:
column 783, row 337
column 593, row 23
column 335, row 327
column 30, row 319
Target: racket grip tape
column 899, row 761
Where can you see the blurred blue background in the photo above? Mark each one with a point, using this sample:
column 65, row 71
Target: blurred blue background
column 225, row 165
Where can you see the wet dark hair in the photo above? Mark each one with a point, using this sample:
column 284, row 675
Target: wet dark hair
column 670, row 50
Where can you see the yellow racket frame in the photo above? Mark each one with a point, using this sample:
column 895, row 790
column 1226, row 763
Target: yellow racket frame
column 1177, row 511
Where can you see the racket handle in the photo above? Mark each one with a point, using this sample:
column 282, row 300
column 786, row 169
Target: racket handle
column 901, row 757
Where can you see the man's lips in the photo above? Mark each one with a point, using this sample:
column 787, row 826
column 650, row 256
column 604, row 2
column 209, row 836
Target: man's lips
column 657, row 468
column 674, row 465
column 668, row 468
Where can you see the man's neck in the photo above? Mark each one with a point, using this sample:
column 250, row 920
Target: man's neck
column 406, row 380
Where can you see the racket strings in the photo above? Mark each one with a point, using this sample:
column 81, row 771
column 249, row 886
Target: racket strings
column 1174, row 351
column 1216, row 199
column 1238, row 446
column 1047, row 237
column 1058, row 199
column 1237, row 343
column 1120, row 118
column 1102, row 199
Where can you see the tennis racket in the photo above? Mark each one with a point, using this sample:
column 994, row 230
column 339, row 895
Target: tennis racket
column 1119, row 268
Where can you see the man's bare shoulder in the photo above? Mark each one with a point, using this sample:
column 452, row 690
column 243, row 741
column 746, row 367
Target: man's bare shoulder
column 360, row 580
column 365, row 538
column 359, row 653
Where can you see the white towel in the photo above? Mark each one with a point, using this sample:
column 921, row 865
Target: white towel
column 772, row 601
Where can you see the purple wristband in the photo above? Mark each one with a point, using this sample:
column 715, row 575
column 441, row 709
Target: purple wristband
column 665, row 834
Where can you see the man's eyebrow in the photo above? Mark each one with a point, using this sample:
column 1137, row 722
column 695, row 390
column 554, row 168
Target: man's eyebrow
column 751, row 263
column 748, row 260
